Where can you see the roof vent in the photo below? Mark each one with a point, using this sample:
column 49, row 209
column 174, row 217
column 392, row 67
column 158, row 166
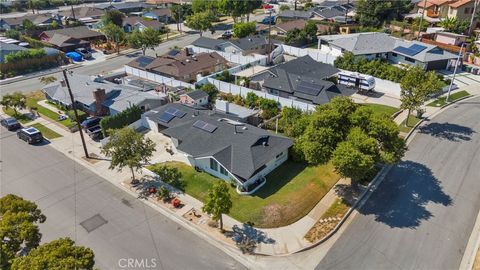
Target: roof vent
column 264, row 143
column 244, row 128
column 188, row 60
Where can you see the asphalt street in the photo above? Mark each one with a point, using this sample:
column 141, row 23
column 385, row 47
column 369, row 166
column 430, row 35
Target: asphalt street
column 423, row 213
column 123, row 227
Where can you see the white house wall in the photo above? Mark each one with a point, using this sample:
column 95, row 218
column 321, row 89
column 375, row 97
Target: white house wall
column 270, row 166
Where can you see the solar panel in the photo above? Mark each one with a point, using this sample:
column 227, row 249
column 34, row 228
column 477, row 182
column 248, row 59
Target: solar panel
column 179, row 113
column 403, row 50
column 166, row 117
column 309, row 88
column 204, row 126
column 144, row 61
column 209, row 127
column 171, row 111
column 417, row 48
column 173, row 52
column 199, row 124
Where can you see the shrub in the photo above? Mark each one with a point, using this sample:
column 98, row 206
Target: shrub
column 169, row 175
column 121, row 119
column 164, row 194
column 81, row 115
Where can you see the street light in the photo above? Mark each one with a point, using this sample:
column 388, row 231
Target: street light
column 454, row 72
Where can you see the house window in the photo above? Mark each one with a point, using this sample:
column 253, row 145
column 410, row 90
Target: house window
column 223, row 171
column 279, row 155
column 394, row 54
column 409, row 59
column 213, row 164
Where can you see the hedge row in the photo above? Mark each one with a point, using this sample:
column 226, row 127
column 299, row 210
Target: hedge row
column 121, row 119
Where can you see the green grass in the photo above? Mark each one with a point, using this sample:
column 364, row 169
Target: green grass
column 338, row 207
column 22, row 118
column 411, row 123
column 291, row 191
column 379, row 108
column 32, row 101
column 46, row 132
column 439, row 102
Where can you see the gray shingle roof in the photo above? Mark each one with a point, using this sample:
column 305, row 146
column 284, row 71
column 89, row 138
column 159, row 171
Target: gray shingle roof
column 197, row 94
column 242, row 152
column 208, row 43
column 6, row 49
column 295, row 14
column 79, row 32
column 245, row 44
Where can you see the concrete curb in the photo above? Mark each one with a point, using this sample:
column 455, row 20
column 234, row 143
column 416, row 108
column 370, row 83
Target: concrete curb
column 40, row 74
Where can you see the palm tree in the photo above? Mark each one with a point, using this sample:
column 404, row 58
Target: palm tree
column 448, row 23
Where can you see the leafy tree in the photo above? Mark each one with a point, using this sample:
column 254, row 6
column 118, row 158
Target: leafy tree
column 235, row 8
column 311, row 30
column 12, row 34
column 54, row 25
column 148, row 38
column 218, row 202
column 251, row 100
column 127, row 148
column 16, row 100
column 243, row 29
column 416, row 86
column 251, row 6
column 201, row 21
column 179, row 12
column 169, row 175
column 296, row 36
column 115, row 34
column 204, row 5
column 375, row 13
column 212, row 92
column 293, row 122
column 452, row 24
column 113, row 17
column 269, row 107
column 18, row 227
column 28, row 25
column 350, row 162
column 57, row 255
column 284, row 7
column 47, row 79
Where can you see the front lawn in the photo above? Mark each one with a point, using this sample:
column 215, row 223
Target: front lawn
column 32, row 102
column 46, row 132
column 411, row 123
column 22, row 118
column 291, row 191
column 379, row 108
column 439, row 102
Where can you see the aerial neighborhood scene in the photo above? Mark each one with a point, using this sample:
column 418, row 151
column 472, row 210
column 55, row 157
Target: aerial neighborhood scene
column 240, row 134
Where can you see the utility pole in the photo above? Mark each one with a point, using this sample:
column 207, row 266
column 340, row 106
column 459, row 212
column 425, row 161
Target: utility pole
column 73, row 12
column 421, row 19
column 269, row 38
column 454, row 72
column 475, row 5
column 75, row 112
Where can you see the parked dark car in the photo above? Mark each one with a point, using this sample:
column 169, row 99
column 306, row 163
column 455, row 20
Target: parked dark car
column 84, row 53
column 30, row 135
column 10, row 123
column 269, row 20
column 227, row 34
column 91, row 122
column 95, row 132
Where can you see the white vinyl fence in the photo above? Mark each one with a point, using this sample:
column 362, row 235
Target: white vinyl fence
column 234, row 58
column 317, row 55
column 156, row 78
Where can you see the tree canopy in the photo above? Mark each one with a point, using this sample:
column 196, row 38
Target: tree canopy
column 243, row 29
column 212, row 92
column 128, row 148
column 201, row 21
column 375, row 13
column 218, row 202
column 115, row 34
column 15, row 100
column 113, row 16
column 148, row 38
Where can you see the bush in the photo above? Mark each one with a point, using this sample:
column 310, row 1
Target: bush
column 164, row 194
column 169, row 175
column 81, row 115
column 121, row 119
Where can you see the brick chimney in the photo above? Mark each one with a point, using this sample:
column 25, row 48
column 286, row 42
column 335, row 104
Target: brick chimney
column 99, row 96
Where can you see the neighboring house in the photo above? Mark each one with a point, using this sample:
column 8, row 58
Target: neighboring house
column 304, row 79
column 160, row 14
column 450, row 38
column 334, row 12
column 194, row 98
column 289, row 15
column 131, row 24
column 6, row 49
column 374, row 45
column 86, row 15
column 167, row 3
column 45, row 19
column 220, row 146
column 68, row 39
column 181, row 65
column 126, row 7
column 241, row 113
column 435, row 10
column 96, row 96
column 281, row 29
column 247, row 45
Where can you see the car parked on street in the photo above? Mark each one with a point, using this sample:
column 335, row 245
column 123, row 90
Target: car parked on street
column 30, row 135
column 10, row 123
column 268, row 20
column 95, row 132
column 84, row 53
column 227, row 34
column 91, row 122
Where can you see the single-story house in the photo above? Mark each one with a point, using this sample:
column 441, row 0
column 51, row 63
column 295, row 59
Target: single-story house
column 247, row 45
column 125, row 7
column 281, row 29
column 160, row 14
column 450, row 38
column 167, row 3
column 194, row 98
column 225, row 148
column 68, row 39
column 181, row 65
column 96, row 96
column 304, row 79
column 85, row 15
column 131, row 24
column 334, row 12
column 6, row 49
column 374, row 45
column 241, row 113
column 289, row 15
column 44, row 19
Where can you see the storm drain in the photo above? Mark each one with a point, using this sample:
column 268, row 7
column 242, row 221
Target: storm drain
column 93, row 223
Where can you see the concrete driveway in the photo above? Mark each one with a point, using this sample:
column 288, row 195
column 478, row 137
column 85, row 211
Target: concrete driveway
column 422, row 215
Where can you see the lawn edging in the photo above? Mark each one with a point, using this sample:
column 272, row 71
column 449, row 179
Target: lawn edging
column 376, row 181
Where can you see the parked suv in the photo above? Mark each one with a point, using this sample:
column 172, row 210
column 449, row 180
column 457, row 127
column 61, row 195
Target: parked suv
column 84, row 53
column 10, row 123
column 30, row 135
column 91, row 122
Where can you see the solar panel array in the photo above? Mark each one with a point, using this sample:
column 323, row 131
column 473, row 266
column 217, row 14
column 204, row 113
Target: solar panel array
column 171, row 113
column 410, row 51
column 204, row 126
column 144, row 61
column 309, row 88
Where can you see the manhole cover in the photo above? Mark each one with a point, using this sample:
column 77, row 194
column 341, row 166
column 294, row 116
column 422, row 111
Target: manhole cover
column 93, row 223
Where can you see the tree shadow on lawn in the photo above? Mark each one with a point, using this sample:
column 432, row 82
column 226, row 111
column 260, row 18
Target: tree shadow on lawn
column 401, row 200
column 279, row 177
column 448, row 131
